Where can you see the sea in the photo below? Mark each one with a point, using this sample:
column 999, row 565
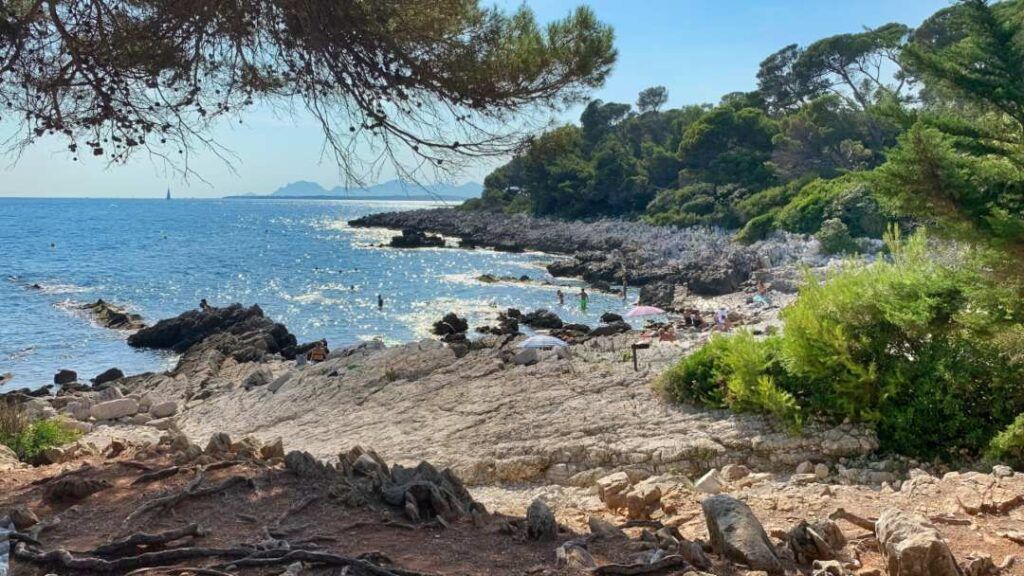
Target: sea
column 298, row 259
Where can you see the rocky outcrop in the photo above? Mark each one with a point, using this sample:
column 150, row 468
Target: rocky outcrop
column 109, row 375
column 542, row 318
column 243, row 334
column 450, row 324
column 911, row 546
column 706, row 261
column 110, row 316
column 416, row 239
column 738, row 535
column 65, row 376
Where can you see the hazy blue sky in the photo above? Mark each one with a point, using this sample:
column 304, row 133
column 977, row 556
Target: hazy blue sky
column 699, row 49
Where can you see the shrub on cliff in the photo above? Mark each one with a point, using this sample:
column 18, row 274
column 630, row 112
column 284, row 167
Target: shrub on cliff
column 29, row 439
column 1008, row 446
column 916, row 344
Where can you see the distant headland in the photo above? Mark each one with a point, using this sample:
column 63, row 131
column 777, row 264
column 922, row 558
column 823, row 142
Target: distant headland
column 390, row 190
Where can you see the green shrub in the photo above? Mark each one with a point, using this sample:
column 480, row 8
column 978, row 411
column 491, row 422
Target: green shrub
column 1008, row 446
column 924, row 345
column 696, row 378
column 758, row 228
column 847, row 198
column 835, row 237
column 29, row 439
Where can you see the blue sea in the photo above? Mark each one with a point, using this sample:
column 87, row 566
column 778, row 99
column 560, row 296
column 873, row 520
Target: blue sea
column 297, row 259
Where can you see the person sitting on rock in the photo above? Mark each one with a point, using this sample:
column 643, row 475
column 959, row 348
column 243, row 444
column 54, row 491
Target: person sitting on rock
column 204, row 305
column 722, row 319
column 318, row 353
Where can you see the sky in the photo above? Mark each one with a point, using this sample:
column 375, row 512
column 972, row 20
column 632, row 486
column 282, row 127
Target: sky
column 698, row 49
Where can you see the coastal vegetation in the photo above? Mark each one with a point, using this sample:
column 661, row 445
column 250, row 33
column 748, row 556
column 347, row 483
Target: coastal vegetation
column 890, row 128
column 856, row 130
column 29, row 438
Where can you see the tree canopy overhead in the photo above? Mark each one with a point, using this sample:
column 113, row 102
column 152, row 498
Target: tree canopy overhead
column 442, row 78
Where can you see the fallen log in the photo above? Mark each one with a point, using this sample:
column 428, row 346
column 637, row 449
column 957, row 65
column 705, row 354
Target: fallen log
column 666, row 563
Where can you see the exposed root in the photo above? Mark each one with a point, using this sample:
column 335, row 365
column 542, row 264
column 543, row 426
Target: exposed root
column 135, row 464
column 859, row 521
column 191, row 490
column 295, row 509
column 665, row 563
column 67, row 561
column 162, row 571
column 157, row 475
column 80, row 470
column 132, row 543
column 360, row 566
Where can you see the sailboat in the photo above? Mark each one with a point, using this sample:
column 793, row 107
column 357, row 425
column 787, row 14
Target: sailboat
column 168, row 193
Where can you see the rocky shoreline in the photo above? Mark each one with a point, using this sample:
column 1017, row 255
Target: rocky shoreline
column 660, row 259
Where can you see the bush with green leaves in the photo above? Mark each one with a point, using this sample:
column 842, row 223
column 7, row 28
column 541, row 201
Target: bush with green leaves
column 1008, row 446
column 914, row 344
column 757, row 228
column 835, row 237
column 28, row 439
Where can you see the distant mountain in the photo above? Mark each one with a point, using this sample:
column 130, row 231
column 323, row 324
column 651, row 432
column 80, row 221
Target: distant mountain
column 391, row 189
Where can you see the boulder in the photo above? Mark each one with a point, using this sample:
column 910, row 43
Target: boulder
column 22, row 517
column 114, row 409
column 219, row 444
column 260, row 377
column 141, row 419
column 109, row 393
column 526, row 357
column 542, row 318
column 273, row 450
column 738, row 535
column 71, row 488
column 618, row 327
column 540, row 521
column 710, row 483
column 416, row 239
column 449, row 324
column 734, row 472
column 574, row 555
column 604, row 529
column 609, row 317
column 65, row 376
column 911, row 546
column 659, row 294
column 164, row 409
column 612, row 490
column 108, row 375
column 8, row 459
column 244, row 334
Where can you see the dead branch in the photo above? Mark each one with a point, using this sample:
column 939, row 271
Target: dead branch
column 950, row 520
column 298, row 507
column 157, row 475
column 859, row 521
column 134, row 541
column 221, row 465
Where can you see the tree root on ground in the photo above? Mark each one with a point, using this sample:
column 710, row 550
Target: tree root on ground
column 132, row 543
column 191, row 490
column 156, row 475
column 859, row 521
column 176, row 570
column 666, row 563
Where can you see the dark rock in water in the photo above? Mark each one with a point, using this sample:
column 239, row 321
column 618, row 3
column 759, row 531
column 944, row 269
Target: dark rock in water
column 245, row 334
column 108, row 376
column 524, row 278
column 65, row 376
column 416, row 239
column 738, row 535
column 611, row 328
column 507, row 324
column 542, row 318
column 609, row 317
column 450, row 324
column 115, row 317
column 581, row 328
column 5, row 378
column 514, row 313
column 660, row 294
column 36, row 287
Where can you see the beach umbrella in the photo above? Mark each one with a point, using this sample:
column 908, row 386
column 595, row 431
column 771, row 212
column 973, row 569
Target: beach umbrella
column 543, row 342
column 644, row 311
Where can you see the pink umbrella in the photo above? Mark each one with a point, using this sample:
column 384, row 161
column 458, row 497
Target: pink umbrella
column 644, row 311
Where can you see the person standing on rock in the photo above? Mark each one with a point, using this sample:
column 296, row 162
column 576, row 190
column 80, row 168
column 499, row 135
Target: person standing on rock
column 561, row 297
column 583, row 300
column 380, row 302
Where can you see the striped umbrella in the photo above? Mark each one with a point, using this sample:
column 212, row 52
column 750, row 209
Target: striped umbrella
column 542, row 341
column 644, row 311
